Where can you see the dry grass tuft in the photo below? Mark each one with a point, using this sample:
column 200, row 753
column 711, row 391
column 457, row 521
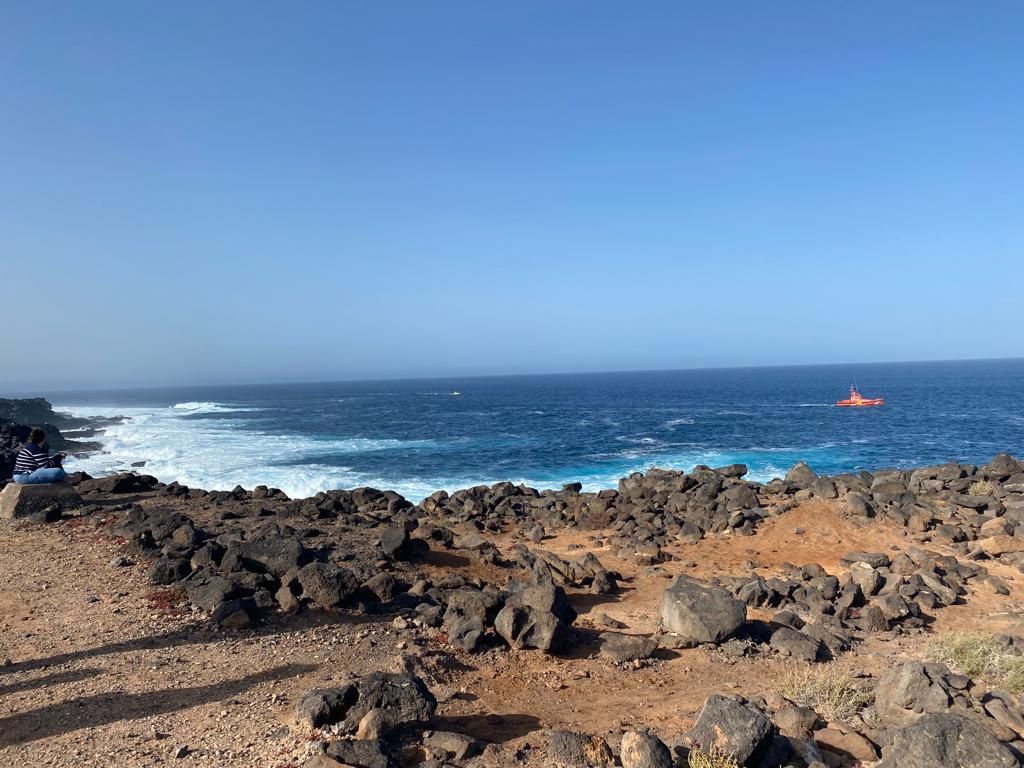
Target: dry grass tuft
column 980, row 487
column 712, row 757
column 831, row 692
column 980, row 655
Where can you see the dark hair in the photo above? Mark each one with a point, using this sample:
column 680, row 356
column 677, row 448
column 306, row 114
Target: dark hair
column 36, row 435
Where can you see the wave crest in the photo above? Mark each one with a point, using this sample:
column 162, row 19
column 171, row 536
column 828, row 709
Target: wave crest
column 677, row 422
column 207, row 407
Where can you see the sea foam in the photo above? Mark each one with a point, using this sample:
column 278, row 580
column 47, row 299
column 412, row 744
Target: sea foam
column 216, row 446
column 218, row 454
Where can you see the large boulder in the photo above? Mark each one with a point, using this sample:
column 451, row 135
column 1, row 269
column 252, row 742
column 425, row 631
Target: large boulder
column 859, row 505
column 235, row 614
column 567, row 749
column 908, row 690
column 845, row 744
column 1003, row 465
column 167, row 570
column 125, row 482
column 700, row 612
column 536, row 617
column 154, row 526
column 1001, row 545
column 209, row 592
column 801, row 475
column 394, row 698
column 794, row 643
column 946, row 741
column 326, row 585
column 465, row 617
column 326, row 706
column 734, row 727
column 29, row 500
column 621, row 648
column 456, row 746
column 275, row 551
column 383, row 586
column 396, row 544
column 400, row 698
column 360, row 753
column 644, row 750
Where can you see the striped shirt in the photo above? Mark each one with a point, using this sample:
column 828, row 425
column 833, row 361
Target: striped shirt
column 30, row 458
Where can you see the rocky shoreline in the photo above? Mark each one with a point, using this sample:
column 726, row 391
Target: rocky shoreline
column 493, row 571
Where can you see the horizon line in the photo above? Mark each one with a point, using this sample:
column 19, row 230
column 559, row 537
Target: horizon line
column 449, row 377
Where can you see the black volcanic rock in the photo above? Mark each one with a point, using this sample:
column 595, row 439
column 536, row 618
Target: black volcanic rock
column 947, row 741
column 326, row 585
column 538, row 616
column 734, row 725
column 37, row 411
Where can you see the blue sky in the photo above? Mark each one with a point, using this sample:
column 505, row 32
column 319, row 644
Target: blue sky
column 246, row 191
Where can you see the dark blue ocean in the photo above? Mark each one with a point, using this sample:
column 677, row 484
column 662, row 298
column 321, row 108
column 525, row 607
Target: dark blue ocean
column 417, row 436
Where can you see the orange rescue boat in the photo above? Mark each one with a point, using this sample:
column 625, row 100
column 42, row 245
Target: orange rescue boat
column 857, row 400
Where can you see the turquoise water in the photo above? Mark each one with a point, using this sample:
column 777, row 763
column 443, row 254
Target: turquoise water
column 416, row 436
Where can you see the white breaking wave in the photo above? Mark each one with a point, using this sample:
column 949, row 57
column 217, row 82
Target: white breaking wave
column 194, row 407
column 220, row 454
column 677, row 422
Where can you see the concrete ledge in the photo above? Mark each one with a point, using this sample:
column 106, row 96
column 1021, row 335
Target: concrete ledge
column 26, row 500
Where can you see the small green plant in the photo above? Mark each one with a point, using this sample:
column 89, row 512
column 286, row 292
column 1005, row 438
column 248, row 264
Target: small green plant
column 831, row 692
column 712, row 757
column 980, row 655
column 980, row 487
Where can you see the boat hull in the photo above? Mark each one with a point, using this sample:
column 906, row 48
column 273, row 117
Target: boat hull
column 860, row 403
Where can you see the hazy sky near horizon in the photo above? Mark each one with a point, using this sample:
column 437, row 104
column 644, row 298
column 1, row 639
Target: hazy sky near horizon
column 250, row 191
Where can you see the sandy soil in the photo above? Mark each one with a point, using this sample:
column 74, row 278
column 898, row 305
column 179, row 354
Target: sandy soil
column 98, row 671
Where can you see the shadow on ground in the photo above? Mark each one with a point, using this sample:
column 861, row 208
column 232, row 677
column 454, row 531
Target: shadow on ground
column 496, row 729
column 105, row 708
column 57, row 678
column 586, row 602
column 192, row 634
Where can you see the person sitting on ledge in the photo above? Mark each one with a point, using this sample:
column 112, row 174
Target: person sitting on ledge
column 35, row 465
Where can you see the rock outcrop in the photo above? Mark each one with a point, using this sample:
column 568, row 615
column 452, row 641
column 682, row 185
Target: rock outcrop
column 43, row 503
column 699, row 612
column 394, row 699
column 734, row 727
column 644, row 750
column 537, row 616
column 946, row 741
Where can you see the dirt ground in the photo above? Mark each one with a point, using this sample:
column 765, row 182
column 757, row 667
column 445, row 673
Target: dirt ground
column 98, row 671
